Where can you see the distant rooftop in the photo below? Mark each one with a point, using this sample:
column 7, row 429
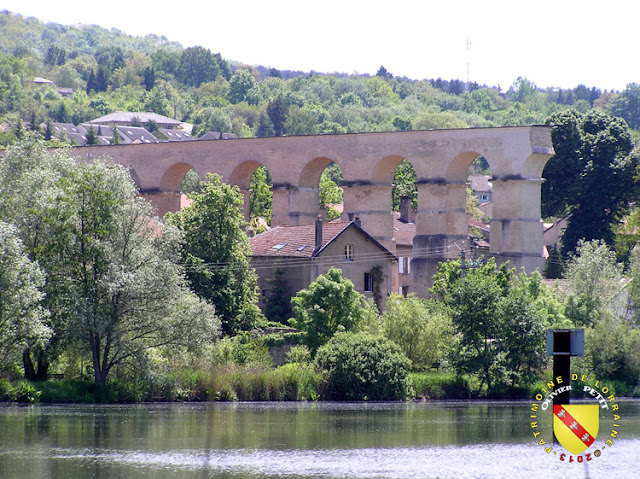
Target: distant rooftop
column 130, row 117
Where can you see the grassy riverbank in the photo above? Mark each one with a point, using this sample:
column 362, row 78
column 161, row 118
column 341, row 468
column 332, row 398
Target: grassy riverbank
column 290, row 382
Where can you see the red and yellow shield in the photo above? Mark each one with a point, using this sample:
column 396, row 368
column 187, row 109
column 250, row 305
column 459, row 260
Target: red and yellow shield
column 576, row 425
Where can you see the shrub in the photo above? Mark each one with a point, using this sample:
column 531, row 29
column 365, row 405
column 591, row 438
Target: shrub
column 27, row 392
column 299, row 354
column 440, row 386
column 362, row 366
column 243, row 349
column 7, row 391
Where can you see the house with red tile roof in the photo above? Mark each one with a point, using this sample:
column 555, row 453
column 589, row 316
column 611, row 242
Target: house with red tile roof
column 305, row 252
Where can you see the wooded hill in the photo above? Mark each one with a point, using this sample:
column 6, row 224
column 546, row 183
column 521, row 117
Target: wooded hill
column 109, row 70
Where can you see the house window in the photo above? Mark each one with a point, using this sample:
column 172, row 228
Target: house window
column 484, row 197
column 265, row 295
column 348, row 252
column 404, row 265
column 368, row 283
column 403, row 291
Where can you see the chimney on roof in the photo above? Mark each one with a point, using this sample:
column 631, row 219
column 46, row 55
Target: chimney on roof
column 318, row 234
column 323, row 213
column 351, row 216
column 405, row 208
column 358, row 222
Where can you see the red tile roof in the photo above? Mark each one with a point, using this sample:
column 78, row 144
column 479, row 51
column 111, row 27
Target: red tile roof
column 298, row 241
column 403, row 231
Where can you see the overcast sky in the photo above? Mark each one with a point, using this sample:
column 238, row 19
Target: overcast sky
column 560, row 43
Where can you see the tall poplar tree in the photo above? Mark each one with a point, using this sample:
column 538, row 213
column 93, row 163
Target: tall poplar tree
column 216, row 253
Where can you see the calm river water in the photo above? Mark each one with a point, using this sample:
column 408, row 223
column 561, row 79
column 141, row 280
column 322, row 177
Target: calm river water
column 297, row 440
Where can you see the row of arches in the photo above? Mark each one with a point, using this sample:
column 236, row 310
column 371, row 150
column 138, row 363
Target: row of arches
column 320, row 176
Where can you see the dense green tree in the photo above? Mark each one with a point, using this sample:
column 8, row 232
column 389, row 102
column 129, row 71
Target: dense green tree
column 128, row 293
column 92, row 137
column 521, row 90
column 500, row 320
column 264, row 127
column 361, row 366
column 330, row 303
column 594, row 276
column 114, row 285
column 22, row 317
column 330, row 192
column 422, row 328
column 279, row 304
column 401, row 124
column 191, row 182
column 590, row 177
column 626, row 105
column 149, row 78
column 404, row 184
column 216, row 253
column 277, row 110
column 612, row 352
column 197, row 65
column 212, row 119
column 261, row 196
column 382, row 72
column 55, row 55
column 241, row 83
column 32, row 199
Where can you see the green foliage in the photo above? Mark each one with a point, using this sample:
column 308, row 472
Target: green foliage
column 422, row 328
column 23, row 320
column 261, row 196
column 330, row 192
column 243, row 349
column 361, row 366
column 67, row 391
column 289, row 382
column 329, row 303
column 114, row 286
column 299, row 354
column 431, row 385
column 594, row 276
column 216, row 253
column 612, row 352
column 27, row 392
column 626, row 105
column 240, row 86
column 500, row 320
column 590, row 176
column 279, row 305
column 404, row 184
column 198, row 65
column 277, row 111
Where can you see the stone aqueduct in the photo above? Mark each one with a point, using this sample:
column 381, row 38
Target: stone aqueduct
column 441, row 159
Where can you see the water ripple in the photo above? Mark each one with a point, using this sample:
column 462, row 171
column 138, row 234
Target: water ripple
column 469, row 462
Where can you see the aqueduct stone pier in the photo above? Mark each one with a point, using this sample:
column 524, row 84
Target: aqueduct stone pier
column 441, row 158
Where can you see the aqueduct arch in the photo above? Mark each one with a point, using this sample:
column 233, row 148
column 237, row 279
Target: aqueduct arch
column 440, row 158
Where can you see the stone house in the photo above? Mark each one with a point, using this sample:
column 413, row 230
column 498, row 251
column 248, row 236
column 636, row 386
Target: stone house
column 404, row 229
column 481, row 187
column 305, row 252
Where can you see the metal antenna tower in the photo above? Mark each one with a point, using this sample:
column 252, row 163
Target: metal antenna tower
column 468, row 85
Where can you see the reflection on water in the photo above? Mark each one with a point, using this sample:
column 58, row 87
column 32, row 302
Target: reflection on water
column 293, row 440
